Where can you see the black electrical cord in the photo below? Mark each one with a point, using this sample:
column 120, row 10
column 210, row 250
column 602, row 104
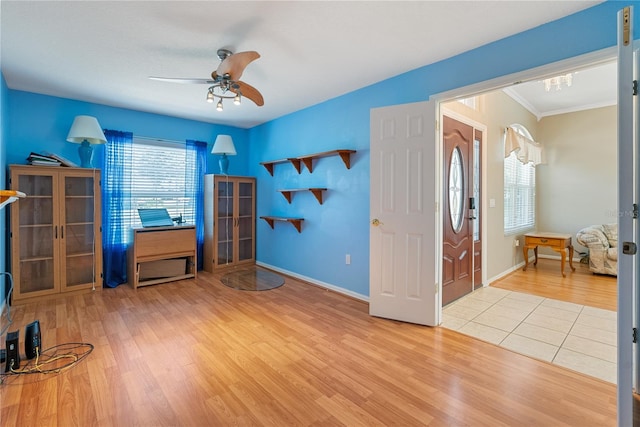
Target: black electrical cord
column 53, row 360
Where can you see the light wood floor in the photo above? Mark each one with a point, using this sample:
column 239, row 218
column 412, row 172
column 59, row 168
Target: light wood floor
column 579, row 287
column 197, row 353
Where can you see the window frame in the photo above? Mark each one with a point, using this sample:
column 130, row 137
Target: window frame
column 519, row 182
column 182, row 201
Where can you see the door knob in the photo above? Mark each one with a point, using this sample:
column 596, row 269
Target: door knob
column 376, row 222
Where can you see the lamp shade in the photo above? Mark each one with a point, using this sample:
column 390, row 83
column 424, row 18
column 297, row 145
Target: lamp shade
column 86, row 128
column 224, row 145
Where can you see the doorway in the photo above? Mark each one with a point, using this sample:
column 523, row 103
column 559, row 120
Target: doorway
column 461, row 244
column 515, row 320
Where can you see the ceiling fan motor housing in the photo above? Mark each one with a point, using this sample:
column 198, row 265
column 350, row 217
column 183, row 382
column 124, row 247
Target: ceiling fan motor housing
column 223, row 54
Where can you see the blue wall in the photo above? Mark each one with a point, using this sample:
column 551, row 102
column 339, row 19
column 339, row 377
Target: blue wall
column 341, row 225
column 41, row 123
column 4, row 101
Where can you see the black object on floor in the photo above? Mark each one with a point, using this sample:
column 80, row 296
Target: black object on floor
column 32, row 339
column 13, row 353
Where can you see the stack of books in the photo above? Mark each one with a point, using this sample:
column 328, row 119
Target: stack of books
column 42, row 160
column 49, row 160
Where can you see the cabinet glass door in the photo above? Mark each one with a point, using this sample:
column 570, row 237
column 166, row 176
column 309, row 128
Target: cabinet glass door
column 37, row 234
column 246, row 221
column 77, row 231
column 224, row 226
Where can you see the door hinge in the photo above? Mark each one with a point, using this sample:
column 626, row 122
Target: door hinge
column 626, row 25
column 635, row 211
column 635, row 87
column 635, row 335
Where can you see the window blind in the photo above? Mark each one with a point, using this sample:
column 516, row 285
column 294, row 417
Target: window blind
column 159, row 174
column 519, row 195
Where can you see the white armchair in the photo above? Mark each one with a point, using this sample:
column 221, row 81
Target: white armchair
column 602, row 242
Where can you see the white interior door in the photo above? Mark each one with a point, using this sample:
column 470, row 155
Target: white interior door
column 627, row 259
column 403, row 237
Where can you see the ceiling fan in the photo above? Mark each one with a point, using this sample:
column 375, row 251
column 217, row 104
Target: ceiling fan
column 226, row 78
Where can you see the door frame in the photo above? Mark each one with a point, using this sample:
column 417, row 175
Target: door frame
column 601, row 56
column 549, row 70
column 444, row 111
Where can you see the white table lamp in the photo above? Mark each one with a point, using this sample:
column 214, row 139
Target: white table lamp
column 85, row 131
column 224, row 146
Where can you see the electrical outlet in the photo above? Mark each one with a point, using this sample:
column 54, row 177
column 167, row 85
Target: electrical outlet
column 347, row 259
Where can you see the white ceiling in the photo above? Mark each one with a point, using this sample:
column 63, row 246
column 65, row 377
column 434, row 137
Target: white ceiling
column 104, row 51
column 591, row 87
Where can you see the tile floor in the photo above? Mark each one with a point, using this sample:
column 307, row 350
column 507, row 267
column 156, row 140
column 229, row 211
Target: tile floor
column 577, row 337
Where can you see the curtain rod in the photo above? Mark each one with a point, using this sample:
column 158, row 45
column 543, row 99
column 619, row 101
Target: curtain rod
column 148, row 138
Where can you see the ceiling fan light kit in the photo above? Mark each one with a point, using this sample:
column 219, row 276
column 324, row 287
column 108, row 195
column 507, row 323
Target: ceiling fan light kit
column 225, row 80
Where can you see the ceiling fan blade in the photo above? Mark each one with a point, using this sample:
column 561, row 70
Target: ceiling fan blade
column 183, row 81
column 234, row 65
column 250, row 92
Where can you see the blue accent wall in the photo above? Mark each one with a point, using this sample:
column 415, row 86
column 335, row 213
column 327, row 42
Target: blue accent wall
column 41, row 123
column 4, row 101
column 341, row 225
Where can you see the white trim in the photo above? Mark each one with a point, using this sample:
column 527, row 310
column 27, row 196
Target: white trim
column 484, row 201
column 548, row 70
column 504, row 273
column 325, row 285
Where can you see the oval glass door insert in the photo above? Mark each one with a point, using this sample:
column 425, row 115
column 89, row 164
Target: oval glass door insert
column 456, row 190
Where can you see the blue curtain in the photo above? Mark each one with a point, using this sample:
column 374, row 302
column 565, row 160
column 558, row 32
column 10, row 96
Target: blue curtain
column 196, row 175
column 114, row 204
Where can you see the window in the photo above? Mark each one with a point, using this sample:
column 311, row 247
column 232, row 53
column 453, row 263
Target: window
column 469, row 102
column 142, row 173
column 519, row 190
column 159, row 174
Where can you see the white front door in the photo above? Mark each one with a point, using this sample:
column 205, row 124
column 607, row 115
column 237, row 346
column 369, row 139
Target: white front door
column 403, row 234
column 627, row 257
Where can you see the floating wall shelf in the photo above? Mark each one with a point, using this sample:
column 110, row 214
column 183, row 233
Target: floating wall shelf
column 316, row 192
column 344, row 154
column 296, row 222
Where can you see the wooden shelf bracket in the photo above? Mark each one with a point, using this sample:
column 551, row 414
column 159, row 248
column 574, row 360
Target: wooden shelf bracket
column 293, row 160
column 317, row 192
column 296, row 222
column 344, row 154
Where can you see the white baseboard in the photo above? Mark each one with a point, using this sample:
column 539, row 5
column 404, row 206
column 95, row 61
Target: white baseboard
column 319, row 283
column 504, row 273
column 365, row 298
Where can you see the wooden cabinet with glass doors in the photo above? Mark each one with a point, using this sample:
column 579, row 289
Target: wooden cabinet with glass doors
column 229, row 221
column 56, row 243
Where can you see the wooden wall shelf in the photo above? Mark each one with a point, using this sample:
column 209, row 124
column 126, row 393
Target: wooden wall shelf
column 344, row 154
column 296, row 222
column 269, row 165
column 316, row 192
